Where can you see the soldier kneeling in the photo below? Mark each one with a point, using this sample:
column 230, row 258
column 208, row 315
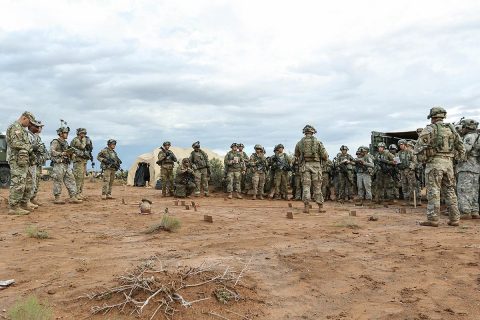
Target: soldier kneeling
column 184, row 179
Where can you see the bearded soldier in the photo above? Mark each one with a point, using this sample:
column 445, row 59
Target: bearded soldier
column 19, row 151
column 437, row 145
column 110, row 164
column 166, row 161
column 199, row 161
column 468, row 171
column 258, row 164
column 62, row 155
column 311, row 153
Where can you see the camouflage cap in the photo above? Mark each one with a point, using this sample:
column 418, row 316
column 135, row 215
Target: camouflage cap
column 411, row 143
column 38, row 124
column 30, row 117
column 233, row 145
column 344, row 147
column 402, row 141
column 381, row 144
column 196, row 144
column 309, row 129
column 81, row 130
column 111, row 141
column 257, row 146
column 437, row 112
column 470, row 124
column 63, row 130
column 167, row 143
column 240, row 145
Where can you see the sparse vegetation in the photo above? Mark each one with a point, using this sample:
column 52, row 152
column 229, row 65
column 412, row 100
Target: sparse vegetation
column 168, row 223
column 30, row 308
column 347, row 224
column 34, row 232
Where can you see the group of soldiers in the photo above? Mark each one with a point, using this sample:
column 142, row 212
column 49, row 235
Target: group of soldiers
column 27, row 154
column 444, row 158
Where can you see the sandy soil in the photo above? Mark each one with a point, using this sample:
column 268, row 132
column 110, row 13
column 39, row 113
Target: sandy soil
column 319, row 266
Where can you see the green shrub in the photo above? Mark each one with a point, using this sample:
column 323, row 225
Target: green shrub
column 33, row 232
column 168, row 223
column 30, row 309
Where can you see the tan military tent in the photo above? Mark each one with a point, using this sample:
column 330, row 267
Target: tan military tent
column 152, row 157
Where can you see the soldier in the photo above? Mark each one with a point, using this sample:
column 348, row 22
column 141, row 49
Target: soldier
column 419, row 173
column 281, row 165
column 468, row 172
column 62, row 155
column 296, row 180
column 245, row 185
column 407, row 166
column 234, row 166
column 258, row 164
column 365, row 166
column 19, row 150
column 328, row 191
column 40, row 155
column 345, row 163
column 166, row 161
column 311, row 153
column 110, row 163
column 184, row 179
column 199, row 161
column 395, row 176
column 437, row 145
column 79, row 144
column 385, row 162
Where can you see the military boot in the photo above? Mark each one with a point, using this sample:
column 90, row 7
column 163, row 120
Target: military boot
column 35, row 201
column 230, row 196
column 28, row 206
column 453, row 223
column 306, row 207
column 74, row 199
column 206, row 194
column 260, row 197
column 239, row 196
column 320, row 208
column 254, row 197
column 475, row 215
column 429, row 223
column 16, row 210
column 109, row 197
column 104, row 197
column 58, row 200
column 466, row 216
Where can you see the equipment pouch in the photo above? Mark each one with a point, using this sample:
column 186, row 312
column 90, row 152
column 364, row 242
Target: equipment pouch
column 23, row 159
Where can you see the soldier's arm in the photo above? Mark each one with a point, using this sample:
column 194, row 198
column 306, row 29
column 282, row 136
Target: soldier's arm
column 55, row 149
column 161, row 156
column 226, row 160
column 102, row 157
column 15, row 139
column 323, row 152
column 368, row 162
column 297, row 152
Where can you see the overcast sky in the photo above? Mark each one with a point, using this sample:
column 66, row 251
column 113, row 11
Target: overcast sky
column 220, row 71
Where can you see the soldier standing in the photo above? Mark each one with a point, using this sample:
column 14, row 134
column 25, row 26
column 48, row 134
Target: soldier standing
column 468, row 172
column 62, row 155
column 385, row 165
column 407, row 166
column 345, row 163
column 365, row 166
column 328, row 191
column 166, row 161
column 258, row 165
column 40, row 155
column 297, row 180
column 19, row 150
column 199, row 161
column 110, row 164
column 246, row 181
column 281, row 166
column 311, row 153
column 437, row 145
column 234, row 166
column 81, row 157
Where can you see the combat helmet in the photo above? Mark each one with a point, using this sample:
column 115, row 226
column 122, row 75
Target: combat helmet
column 411, row 143
column 63, row 130
column 278, row 146
column 234, row 145
column 257, row 146
column 402, row 141
column 81, row 130
column 381, row 144
column 469, row 124
column 344, row 147
column 111, row 141
column 309, row 129
column 240, row 145
column 437, row 112
column 167, row 143
column 196, row 144
column 393, row 146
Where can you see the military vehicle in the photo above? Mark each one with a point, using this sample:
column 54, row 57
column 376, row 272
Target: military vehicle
column 4, row 167
column 390, row 138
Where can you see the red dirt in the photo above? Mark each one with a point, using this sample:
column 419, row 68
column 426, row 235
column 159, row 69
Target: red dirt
column 325, row 266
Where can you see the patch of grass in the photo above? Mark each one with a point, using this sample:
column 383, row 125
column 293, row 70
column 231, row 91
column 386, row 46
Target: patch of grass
column 168, row 223
column 30, row 308
column 347, row 224
column 34, row 232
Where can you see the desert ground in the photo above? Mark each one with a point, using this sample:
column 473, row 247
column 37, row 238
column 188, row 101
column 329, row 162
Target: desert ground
column 319, row 266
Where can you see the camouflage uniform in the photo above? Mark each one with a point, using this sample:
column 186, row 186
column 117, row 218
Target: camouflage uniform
column 80, row 160
column 199, row 160
column 20, row 149
column 184, row 179
column 345, row 164
column 437, row 145
column 327, row 168
column 407, row 166
column 364, row 166
column 311, row 153
column 383, row 177
column 62, row 173
column 246, row 181
column 41, row 155
column 297, row 180
column 468, row 172
column 109, row 163
column 258, row 165
column 166, row 160
column 234, row 165
column 280, row 179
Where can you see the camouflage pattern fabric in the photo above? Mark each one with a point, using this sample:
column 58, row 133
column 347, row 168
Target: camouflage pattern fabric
column 167, row 180
column 199, row 161
column 383, row 179
column 62, row 174
column 108, row 178
column 364, row 186
column 258, row 168
column 408, row 180
column 19, row 160
column 343, row 162
column 234, row 181
column 183, row 186
column 326, row 178
column 280, row 181
column 311, row 178
column 79, row 162
column 258, row 183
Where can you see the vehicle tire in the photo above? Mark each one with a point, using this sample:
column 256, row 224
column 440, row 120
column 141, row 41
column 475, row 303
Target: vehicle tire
column 4, row 177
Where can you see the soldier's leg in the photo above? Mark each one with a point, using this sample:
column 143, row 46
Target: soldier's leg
column 316, row 184
column 341, row 183
column 170, row 181
column 110, row 182
column 404, row 184
column 360, row 186
column 434, row 182
column 70, row 184
column 349, row 181
column 27, row 192
column 261, row 184
column 106, row 182
column 284, row 184
column 298, row 186
column 237, row 176
column 306, row 184
column 38, row 173
column 204, row 181
column 198, row 181
column 367, row 183
column 18, row 179
column 474, row 191
column 464, row 186
column 449, row 182
column 58, row 173
column 229, row 182
column 255, row 183
column 164, row 177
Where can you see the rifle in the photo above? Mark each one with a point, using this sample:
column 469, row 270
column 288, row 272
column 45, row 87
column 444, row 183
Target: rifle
column 89, row 149
column 170, row 156
column 280, row 164
column 387, row 167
